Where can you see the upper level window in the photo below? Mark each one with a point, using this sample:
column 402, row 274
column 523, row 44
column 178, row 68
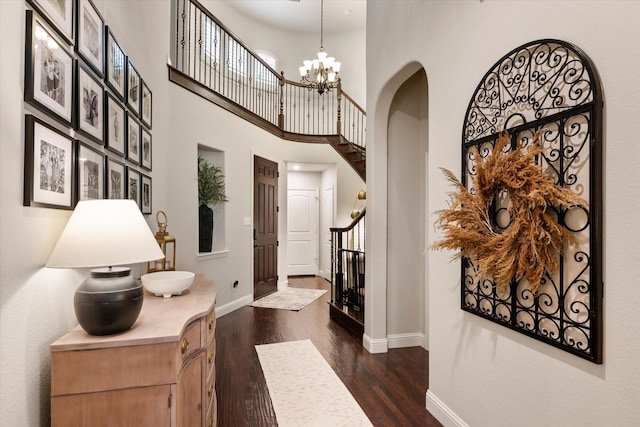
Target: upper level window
column 236, row 56
column 263, row 73
column 222, row 50
column 211, row 41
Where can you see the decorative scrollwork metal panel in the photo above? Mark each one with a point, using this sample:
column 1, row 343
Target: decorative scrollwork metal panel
column 548, row 86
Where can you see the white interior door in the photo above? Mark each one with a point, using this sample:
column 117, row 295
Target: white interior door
column 327, row 220
column 302, row 231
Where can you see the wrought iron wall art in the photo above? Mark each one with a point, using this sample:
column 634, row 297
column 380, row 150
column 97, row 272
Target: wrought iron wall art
column 552, row 87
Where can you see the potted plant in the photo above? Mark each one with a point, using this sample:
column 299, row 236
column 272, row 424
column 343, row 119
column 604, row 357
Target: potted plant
column 211, row 191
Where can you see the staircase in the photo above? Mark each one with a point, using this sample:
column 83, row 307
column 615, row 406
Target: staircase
column 208, row 60
column 355, row 155
column 347, row 275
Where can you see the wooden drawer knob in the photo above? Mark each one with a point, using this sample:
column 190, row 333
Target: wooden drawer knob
column 210, row 357
column 184, row 345
column 210, row 390
column 210, row 422
column 210, row 323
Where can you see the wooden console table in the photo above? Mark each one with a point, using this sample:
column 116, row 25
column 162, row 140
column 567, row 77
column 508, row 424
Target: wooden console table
column 161, row 372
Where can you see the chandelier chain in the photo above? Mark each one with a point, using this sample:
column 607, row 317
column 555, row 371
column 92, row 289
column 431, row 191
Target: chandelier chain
column 321, row 24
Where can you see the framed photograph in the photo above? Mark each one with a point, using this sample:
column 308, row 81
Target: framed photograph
column 115, row 64
column 59, row 13
column 133, row 89
column 90, row 173
column 116, row 179
column 145, row 155
column 146, row 108
column 48, row 166
column 48, row 70
column 114, row 125
column 133, row 185
column 89, row 104
column 90, row 37
column 133, row 139
column 145, row 195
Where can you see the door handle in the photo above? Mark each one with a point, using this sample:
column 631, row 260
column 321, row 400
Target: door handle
column 255, row 234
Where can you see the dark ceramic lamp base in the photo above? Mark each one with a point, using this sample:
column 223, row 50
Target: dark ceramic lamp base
column 109, row 301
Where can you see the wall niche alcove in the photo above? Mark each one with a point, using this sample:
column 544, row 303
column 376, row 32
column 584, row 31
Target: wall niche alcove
column 219, row 247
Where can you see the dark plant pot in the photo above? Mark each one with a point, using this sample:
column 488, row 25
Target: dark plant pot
column 205, row 225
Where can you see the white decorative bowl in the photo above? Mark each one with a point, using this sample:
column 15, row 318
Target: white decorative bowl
column 167, row 283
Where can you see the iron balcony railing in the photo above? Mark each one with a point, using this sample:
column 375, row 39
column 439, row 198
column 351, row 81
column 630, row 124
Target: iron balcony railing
column 206, row 51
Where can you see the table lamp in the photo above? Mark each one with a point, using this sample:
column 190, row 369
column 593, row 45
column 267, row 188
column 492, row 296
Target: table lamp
column 106, row 234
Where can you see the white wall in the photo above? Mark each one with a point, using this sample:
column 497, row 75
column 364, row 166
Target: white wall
column 304, row 180
column 485, row 374
column 37, row 303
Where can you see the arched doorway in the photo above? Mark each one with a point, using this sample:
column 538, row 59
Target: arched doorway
column 406, row 213
column 396, row 203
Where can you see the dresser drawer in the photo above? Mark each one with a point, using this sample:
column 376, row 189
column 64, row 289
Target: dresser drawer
column 190, row 340
column 212, row 406
column 209, row 327
column 110, row 368
column 210, row 357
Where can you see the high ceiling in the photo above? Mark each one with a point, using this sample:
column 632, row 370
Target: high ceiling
column 304, row 15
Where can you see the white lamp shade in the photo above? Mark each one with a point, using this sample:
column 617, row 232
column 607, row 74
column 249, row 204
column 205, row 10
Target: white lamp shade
column 103, row 233
column 336, row 66
column 303, row 71
column 328, row 63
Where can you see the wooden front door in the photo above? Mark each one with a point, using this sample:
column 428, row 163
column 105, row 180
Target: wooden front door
column 265, row 223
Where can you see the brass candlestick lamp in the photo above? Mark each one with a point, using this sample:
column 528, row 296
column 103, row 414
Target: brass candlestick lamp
column 167, row 243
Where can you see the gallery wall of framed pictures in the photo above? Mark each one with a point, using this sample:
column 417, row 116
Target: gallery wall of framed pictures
column 93, row 139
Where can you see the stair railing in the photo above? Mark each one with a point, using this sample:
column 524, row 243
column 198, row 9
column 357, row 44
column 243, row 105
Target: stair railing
column 207, row 52
column 348, row 264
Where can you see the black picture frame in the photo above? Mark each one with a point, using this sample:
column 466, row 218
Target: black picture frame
column 49, row 159
column 115, row 179
column 146, row 194
column 90, row 35
column 89, row 119
column 60, row 15
column 133, row 139
column 49, row 70
column 146, row 106
column 90, row 172
column 115, row 65
column 133, row 185
column 146, row 149
column 115, row 122
column 133, row 89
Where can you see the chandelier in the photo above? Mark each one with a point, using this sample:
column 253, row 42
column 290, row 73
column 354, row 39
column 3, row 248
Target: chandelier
column 322, row 73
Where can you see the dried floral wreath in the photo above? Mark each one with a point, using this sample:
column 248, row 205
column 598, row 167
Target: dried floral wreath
column 532, row 240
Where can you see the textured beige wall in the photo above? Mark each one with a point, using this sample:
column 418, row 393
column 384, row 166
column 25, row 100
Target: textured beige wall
column 482, row 374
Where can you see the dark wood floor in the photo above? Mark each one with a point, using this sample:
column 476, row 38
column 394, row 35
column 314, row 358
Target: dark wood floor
column 389, row 387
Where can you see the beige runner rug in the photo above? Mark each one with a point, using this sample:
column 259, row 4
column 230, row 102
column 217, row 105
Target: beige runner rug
column 304, row 389
column 289, row 299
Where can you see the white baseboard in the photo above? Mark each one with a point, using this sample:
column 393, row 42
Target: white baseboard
column 442, row 412
column 374, row 345
column 233, row 305
column 407, row 340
